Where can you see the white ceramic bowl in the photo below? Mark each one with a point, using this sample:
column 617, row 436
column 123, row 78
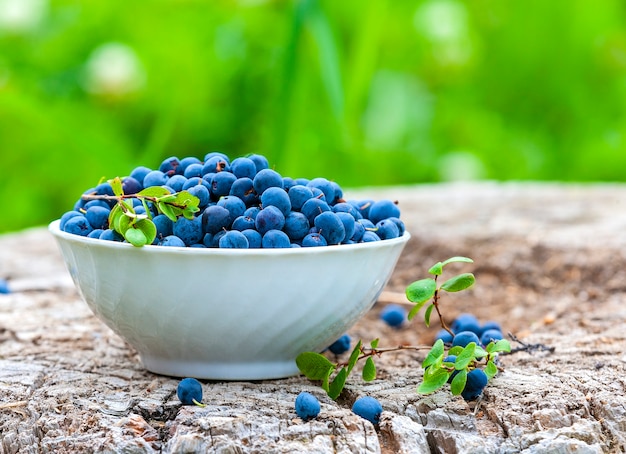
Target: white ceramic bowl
column 227, row 314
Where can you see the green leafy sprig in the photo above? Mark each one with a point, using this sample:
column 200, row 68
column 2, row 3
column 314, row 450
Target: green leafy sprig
column 139, row 229
column 437, row 372
column 316, row 366
column 420, row 292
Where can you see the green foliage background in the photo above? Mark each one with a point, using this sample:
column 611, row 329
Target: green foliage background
column 364, row 92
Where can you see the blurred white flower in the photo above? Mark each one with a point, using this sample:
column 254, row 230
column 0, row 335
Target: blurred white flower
column 113, row 69
column 461, row 166
column 21, row 15
column 445, row 24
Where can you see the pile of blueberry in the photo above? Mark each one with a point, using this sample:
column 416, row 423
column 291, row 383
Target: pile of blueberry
column 243, row 204
column 467, row 328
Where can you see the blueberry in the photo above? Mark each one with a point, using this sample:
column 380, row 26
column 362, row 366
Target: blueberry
column 400, row 224
column 276, row 197
column 186, row 162
column 111, row 235
column 169, row 165
column 139, row 173
column 177, row 182
column 267, row 178
column 490, row 325
column 216, row 154
column 164, row 225
column 154, row 178
column 95, row 233
column 234, row 205
column 299, row 194
column 451, row 359
column 296, row 226
column 242, row 223
column 330, row 227
column 274, row 239
column 368, row 408
column 222, row 183
column 194, row 181
column 189, row 230
column 233, row 239
column 325, row 186
column 189, row 391
column 215, row 218
column 476, row 382
column 445, row 336
column 270, row 218
column 465, row 337
column 363, row 206
column 243, row 167
column 202, row 193
column 244, row 189
column 260, row 162
column 314, row 240
column 466, row 322
column 288, row 182
column 345, row 207
column 131, row 185
column 98, row 217
column 348, row 224
column 383, row 209
column 216, row 164
column 4, row 286
column 68, row 215
column 314, row 207
column 307, row 406
column 387, row 229
column 369, row 236
column 78, row 225
column 254, row 238
column 393, row 314
column 359, row 230
column 491, row 335
column 341, row 345
column 193, row 170
column 172, row 241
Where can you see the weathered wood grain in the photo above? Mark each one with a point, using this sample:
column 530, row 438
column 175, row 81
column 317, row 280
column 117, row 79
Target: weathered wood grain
column 550, row 266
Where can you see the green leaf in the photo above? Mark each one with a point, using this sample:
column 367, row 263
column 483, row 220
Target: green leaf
column 167, row 210
column 421, row 291
column 154, row 191
column 502, row 345
column 433, row 380
column 429, row 311
column 124, row 223
column 374, row 344
column 480, row 352
column 455, row 350
column 336, row 386
column 369, row 369
column 436, row 269
column 116, row 185
column 458, row 382
column 491, row 370
column 114, row 215
column 434, row 355
column 148, row 228
column 458, row 283
column 466, row 356
column 354, row 356
column 136, row 237
column 314, row 366
column 457, row 259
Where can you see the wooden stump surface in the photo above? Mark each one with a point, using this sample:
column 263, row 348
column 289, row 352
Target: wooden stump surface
column 550, row 267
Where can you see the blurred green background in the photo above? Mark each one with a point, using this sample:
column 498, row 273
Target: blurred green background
column 363, row 92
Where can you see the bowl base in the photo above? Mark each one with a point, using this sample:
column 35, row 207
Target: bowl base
column 231, row 371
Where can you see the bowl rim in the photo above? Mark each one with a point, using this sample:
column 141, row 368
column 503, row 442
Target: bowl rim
column 54, row 228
